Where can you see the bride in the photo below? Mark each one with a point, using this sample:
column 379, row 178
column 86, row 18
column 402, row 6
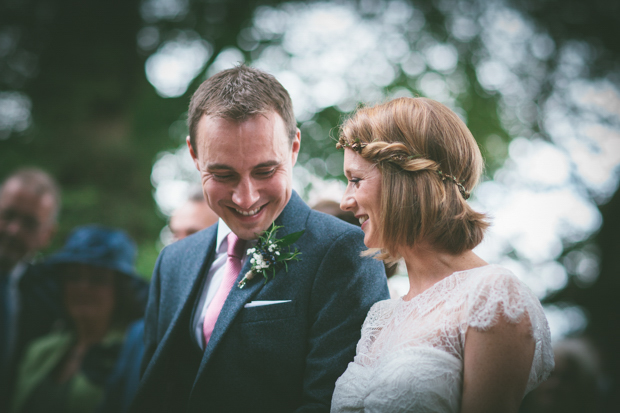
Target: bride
column 469, row 336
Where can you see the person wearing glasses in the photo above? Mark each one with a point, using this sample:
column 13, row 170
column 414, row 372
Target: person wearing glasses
column 29, row 207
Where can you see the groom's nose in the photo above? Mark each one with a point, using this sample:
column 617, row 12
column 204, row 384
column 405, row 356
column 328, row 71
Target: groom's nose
column 246, row 194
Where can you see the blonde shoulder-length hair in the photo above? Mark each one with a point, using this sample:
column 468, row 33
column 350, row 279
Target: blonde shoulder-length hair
column 429, row 163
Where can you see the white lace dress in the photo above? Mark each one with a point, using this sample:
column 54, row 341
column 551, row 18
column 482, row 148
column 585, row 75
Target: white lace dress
column 410, row 356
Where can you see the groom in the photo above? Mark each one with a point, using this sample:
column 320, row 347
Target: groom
column 272, row 346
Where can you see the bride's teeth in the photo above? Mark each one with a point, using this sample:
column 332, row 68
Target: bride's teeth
column 363, row 219
column 249, row 213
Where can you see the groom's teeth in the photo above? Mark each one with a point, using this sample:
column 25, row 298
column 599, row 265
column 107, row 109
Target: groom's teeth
column 248, row 213
column 363, row 219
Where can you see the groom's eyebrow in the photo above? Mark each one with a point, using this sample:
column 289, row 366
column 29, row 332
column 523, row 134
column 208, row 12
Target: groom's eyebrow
column 267, row 164
column 221, row 166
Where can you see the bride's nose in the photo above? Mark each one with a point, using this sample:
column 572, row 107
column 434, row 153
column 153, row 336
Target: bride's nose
column 348, row 201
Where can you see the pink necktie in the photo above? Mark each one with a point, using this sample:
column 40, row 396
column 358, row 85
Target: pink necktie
column 231, row 271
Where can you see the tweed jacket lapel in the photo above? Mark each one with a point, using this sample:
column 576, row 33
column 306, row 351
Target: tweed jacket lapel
column 293, row 219
column 198, row 257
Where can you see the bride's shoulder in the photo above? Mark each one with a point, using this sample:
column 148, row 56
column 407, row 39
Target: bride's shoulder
column 494, row 277
column 497, row 294
column 494, row 290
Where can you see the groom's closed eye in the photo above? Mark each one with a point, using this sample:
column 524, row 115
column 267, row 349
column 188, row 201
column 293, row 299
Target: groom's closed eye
column 265, row 174
column 222, row 176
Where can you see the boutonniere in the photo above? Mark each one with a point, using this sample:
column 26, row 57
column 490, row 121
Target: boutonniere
column 269, row 254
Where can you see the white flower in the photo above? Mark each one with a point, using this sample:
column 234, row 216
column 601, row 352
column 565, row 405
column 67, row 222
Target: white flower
column 277, row 252
column 251, row 250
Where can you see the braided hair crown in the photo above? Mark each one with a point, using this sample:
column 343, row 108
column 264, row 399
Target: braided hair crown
column 397, row 153
column 429, row 162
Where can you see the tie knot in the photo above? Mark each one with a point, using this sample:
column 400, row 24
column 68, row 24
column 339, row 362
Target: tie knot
column 235, row 246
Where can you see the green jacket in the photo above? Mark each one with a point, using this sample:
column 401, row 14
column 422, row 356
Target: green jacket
column 82, row 393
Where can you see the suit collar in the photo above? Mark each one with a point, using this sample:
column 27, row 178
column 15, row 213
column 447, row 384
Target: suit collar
column 293, row 218
column 197, row 253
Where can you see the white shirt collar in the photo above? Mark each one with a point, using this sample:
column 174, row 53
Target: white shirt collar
column 222, row 233
column 16, row 272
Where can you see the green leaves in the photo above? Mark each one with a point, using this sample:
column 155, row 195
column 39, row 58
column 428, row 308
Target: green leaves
column 290, row 238
column 268, row 254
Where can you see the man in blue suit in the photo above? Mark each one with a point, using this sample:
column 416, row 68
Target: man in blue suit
column 29, row 296
column 272, row 346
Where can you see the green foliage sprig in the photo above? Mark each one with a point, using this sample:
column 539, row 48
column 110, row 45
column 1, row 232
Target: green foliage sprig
column 268, row 254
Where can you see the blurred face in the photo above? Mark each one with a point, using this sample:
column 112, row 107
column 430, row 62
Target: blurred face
column 191, row 218
column 363, row 195
column 25, row 223
column 246, row 170
column 89, row 292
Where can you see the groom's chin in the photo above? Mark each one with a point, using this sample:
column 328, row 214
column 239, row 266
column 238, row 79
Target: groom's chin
column 249, row 227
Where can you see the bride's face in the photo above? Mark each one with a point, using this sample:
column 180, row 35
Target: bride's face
column 363, row 195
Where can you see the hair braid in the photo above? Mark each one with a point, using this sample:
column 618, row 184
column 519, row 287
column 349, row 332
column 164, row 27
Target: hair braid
column 398, row 154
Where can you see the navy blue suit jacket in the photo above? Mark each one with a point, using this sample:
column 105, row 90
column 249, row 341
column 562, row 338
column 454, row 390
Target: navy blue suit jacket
column 275, row 358
column 39, row 309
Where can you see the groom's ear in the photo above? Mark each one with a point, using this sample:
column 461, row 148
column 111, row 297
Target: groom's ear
column 192, row 152
column 295, row 145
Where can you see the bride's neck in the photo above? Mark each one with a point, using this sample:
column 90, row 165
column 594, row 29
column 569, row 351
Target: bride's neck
column 427, row 265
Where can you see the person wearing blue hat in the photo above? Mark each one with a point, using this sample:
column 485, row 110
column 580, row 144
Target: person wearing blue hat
column 102, row 294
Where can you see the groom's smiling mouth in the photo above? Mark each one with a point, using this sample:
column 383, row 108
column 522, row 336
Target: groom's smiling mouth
column 249, row 213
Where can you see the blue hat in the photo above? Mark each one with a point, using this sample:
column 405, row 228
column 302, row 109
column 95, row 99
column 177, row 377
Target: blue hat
column 100, row 247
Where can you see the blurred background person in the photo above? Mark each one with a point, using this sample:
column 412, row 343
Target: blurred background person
column 191, row 217
column 576, row 385
column 29, row 206
column 65, row 371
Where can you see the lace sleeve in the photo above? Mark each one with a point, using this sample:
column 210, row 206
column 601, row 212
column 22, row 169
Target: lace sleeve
column 499, row 293
column 495, row 295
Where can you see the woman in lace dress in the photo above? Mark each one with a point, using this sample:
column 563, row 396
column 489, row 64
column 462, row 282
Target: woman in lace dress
column 469, row 336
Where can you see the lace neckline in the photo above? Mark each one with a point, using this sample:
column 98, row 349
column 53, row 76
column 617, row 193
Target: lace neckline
column 440, row 283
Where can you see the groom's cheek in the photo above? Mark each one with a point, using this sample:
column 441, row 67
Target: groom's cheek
column 217, row 195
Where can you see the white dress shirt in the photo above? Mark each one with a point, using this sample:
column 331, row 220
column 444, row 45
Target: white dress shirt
column 214, row 278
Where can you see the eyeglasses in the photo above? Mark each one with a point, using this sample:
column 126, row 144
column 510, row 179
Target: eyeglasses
column 27, row 222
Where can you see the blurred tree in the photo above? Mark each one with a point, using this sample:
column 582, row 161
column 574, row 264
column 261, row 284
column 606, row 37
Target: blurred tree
column 595, row 24
column 92, row 118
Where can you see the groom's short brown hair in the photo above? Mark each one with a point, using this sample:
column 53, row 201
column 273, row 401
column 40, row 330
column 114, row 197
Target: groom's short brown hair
column 238, row 94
